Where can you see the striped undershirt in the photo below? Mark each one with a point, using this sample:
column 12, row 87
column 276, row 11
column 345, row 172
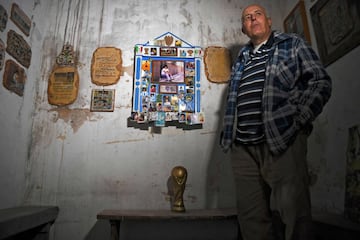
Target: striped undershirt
column 250, row 129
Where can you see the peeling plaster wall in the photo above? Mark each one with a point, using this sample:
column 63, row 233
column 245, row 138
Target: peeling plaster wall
column 16, row 118
column 328, row 142
column 86, row 161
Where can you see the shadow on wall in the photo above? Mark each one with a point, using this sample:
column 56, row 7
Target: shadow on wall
column 100, row 230
column 219, row 194
column 220, row 185
column 165, row 230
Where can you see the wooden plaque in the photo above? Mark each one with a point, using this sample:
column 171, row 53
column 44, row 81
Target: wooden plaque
column 217, row 62
column 14, row 78
column 20, row 19
column 63, row 86
column 3, row 18
column 106, row 66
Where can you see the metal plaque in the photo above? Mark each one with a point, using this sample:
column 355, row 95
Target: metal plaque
column 20, row 19
column 14, row 78
column 18, row 48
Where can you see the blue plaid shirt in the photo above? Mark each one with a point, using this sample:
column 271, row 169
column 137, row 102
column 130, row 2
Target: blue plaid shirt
column 295, row 91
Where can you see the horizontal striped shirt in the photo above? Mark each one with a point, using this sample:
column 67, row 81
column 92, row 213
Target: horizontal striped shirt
column 250, row 127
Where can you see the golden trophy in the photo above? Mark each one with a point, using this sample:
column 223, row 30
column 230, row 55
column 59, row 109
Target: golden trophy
column 178, row 176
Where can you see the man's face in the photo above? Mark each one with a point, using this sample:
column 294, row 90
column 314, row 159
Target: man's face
column 256, row 25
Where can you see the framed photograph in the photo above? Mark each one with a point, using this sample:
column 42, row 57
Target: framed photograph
column 336, row 26
column 168, row 51
column 169, row 71
column 102, row 100
column 296, row 22
column 168, row 88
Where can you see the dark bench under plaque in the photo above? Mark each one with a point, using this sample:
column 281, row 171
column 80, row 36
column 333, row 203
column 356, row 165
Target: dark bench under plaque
column 27, row 222
column 117, row 217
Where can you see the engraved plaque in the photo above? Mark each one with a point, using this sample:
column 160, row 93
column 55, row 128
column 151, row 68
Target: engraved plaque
column 20, row 19
column 14, row 78
column 3, row 18
column 18, row 48
column 106, row 66
column 63, row 86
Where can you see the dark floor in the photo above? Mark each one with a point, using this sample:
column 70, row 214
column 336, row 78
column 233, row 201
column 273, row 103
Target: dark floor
column 335, row 227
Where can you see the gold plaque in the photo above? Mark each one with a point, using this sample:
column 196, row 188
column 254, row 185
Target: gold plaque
column 217, row 62
column 63, row 85
column 106, row 66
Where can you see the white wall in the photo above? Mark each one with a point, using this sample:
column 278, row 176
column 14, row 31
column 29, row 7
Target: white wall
column 86, row 161
column 16, row 117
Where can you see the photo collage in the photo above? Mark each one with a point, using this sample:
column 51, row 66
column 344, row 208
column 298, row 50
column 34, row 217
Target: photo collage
column 167, row 93
column 167, row 83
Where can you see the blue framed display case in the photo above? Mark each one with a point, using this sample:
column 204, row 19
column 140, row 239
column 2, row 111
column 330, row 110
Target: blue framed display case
column 167, row 86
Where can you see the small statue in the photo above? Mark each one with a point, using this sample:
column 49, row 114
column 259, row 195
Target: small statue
column 179, row 176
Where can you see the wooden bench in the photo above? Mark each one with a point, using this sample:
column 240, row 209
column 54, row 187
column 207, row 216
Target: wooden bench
column 27, row 222
column 116, row 217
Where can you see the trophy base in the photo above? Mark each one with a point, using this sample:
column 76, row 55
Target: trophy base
column 178, row 209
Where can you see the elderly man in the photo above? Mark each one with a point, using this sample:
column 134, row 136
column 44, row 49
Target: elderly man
column 277, row 88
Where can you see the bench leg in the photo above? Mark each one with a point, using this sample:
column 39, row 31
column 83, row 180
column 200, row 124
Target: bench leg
column 115, row 228
column 43, row 232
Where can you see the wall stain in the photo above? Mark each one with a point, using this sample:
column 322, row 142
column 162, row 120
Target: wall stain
column 208, row 132
column 128, row 69
column 126, row 141
column 61, row 137
column 74, row 117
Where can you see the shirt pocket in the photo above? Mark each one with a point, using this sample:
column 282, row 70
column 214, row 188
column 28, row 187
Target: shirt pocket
column 287, row 72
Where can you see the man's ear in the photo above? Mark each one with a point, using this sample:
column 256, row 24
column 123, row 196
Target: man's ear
column 269, row 22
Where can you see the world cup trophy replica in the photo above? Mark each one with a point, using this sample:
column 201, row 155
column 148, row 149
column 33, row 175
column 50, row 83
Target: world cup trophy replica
column 179, row 176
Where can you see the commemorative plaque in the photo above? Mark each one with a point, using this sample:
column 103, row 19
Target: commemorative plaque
column 18, row 48
column 14, row 78
column 63, row 86
column 3, row 18
column 64, row 80
column 106, row 66
column 217, row 64
column 20, row 19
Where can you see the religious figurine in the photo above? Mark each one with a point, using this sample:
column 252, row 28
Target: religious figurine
column 179, row 176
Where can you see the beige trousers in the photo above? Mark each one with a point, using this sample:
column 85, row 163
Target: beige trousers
column 268, row 186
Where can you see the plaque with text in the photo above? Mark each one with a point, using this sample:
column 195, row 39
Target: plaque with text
column 63, row 86
column 106, row 66
column 3, row 18
column 20, row 19
column 14, row 78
